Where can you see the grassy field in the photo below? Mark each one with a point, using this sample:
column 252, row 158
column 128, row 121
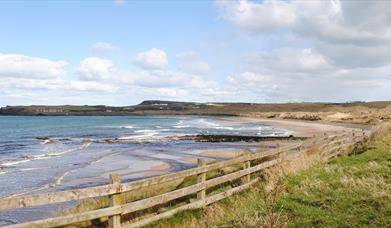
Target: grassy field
column 350, row 191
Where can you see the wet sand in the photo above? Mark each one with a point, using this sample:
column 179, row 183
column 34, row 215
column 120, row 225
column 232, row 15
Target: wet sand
column 157, row 170
column 306, row 128
column 299, row 129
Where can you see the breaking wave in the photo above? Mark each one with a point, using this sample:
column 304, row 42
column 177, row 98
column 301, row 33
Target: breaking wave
column 43, row 156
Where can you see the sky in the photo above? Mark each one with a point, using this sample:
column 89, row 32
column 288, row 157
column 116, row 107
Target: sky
column 119, row 52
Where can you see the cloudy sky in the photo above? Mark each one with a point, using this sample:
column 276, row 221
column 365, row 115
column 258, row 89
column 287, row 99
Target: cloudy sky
column 122, row 52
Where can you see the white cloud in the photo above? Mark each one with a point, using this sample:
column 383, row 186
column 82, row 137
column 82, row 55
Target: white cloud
column 169, row 79
column 200, row 83
column 95, row 68
column 160, row 78
column 166, row 82
column 334, row 85
column 151, row 59
column 350, row 33
column 91, row 86
column 359, row 22
column 199, row 67
column 98, row 76
column 288, row 60
column 120, row 2
column 346, row 56
column 56, row 84
column 344, row 22
column 103, row 47
column 33, row 73
column 257, row 17
column 22, row 66
column 249, row 79
column 218, row 93
column 169, row 92
column 192, row 63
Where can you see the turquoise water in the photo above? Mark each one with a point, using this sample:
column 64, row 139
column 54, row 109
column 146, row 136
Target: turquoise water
column 47, row 153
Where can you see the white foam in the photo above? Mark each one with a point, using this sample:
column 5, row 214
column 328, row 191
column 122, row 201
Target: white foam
column 46, row 141
column 146, row 131
column 164, row 129
column 207, row 123
column 11, row 163
column 182, row 126
column 59, row 180
column 29, row 169
column 44, row 156
column 225, row 128
column 127, row 126
column 139, row 136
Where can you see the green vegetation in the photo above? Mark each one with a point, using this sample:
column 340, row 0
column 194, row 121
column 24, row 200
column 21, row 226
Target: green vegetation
column 350, row 191
column 127, row 197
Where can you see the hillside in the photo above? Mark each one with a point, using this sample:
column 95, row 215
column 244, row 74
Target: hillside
column 355, row 112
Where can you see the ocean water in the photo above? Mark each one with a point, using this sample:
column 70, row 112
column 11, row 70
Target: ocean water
column 47, row 153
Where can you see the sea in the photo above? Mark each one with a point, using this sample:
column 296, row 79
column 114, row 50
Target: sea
column 52, row 153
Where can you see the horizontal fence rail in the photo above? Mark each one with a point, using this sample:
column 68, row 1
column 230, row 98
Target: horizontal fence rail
column 330, row 146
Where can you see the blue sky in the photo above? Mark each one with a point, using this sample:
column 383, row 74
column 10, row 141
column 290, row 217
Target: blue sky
column 123, row 52
column 67, row 29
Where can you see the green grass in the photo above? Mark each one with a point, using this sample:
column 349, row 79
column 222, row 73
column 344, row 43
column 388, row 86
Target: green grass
column 103, row 202
column 351, row 191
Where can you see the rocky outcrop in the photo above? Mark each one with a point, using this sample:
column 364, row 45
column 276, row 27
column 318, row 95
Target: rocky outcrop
column 236, row 138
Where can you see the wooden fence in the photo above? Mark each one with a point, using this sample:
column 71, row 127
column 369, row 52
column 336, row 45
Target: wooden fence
column 330, row 145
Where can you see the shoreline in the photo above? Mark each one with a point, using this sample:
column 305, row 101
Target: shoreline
column 299, row 128
column 159, row 163
column 302, row 128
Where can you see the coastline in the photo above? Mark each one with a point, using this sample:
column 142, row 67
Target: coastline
column 299, row 128
column 155, row 164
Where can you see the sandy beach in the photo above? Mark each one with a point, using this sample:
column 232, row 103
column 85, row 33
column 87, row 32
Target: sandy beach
column 298, row 128
column 306, row 128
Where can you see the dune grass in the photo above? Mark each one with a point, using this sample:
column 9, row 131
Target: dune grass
column 350, row 191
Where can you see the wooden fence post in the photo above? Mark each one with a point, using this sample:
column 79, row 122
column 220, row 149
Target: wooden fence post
column 247, row 178
column 115, row 199
column 201, row 178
